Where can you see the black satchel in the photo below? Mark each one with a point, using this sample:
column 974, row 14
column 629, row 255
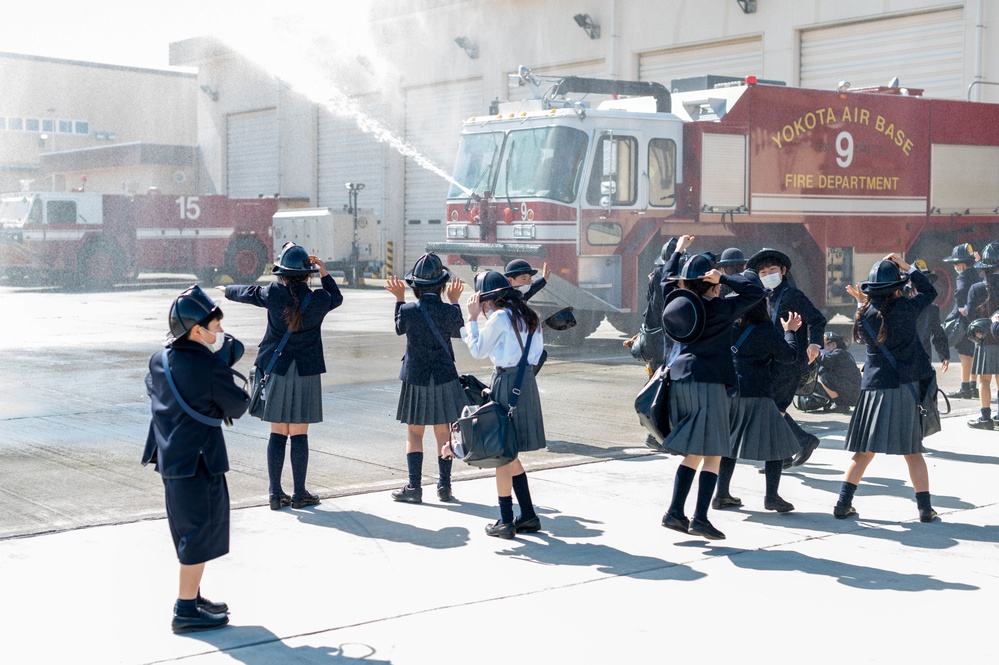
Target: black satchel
column 259, row 380
column 476, row 392
column 956, row 330
column 652, row 403
column 649, row 344
column 486, row 437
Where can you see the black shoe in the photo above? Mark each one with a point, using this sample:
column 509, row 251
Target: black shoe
column 806, row 450
column 842, row 512
column 204, row 621
column 705, row 529
column 778, row 504
column 212, row 608
column 963, row 393
column 279, row 501
column 927, row 515
column 303, row 500
column 408, row 495
column 981, row 423
column 505, row 530
column 974, row 392
column 787, row 465
column 529, row 525
column 841, row 408
column 443, row 494
column 681, row 524
column 727, row 501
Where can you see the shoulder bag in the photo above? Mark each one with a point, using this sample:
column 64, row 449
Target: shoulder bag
column 486, row 437
column 956, row 329
column 259, row 380
column 652, row 403
column 185, row 407
column 929, row 412
column 476, row 392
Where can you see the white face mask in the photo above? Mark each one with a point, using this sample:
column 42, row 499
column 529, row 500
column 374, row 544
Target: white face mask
column 771, row 281
column 524, row 288
column 216, row 346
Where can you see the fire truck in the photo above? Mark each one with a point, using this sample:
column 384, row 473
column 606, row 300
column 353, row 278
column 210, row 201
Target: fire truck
column 96, row 240
column 836, row 179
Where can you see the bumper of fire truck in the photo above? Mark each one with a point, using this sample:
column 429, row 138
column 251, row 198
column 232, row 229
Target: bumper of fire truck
column 13, row 253
column 557, row 294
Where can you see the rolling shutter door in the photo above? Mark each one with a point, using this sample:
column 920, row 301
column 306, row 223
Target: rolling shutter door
column 252, row 154
column 347, row 154
column 923, row 51
column 742, row 57
column 434, row 115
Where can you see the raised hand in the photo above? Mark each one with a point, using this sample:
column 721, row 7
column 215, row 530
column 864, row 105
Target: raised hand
column 396, row 287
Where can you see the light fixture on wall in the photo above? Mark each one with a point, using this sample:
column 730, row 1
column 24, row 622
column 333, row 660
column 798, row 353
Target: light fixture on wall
column 212, row 94
column 470, row 49
column 586, row 23
column 747, row 6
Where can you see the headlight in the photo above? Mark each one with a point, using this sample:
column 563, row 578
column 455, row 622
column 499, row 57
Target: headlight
column 524, row 231
column 457, row 230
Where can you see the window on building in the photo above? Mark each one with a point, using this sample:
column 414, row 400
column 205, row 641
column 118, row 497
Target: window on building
column 48, row 125
column 662, row 172
column 81, row 127
column 65, row 126
column 15, row 124
column 32, row 125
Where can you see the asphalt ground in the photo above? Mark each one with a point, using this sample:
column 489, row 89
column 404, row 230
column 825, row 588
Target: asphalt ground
column 89, row 573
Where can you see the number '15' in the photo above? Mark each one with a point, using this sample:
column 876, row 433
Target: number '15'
column 189, row 208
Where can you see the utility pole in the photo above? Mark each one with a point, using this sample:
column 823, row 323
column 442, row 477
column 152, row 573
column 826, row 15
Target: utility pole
column 352, row 190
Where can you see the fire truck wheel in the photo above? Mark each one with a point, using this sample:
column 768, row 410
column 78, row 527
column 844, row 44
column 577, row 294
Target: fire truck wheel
column 626, row 323
column 245, row 260
column 99, row 266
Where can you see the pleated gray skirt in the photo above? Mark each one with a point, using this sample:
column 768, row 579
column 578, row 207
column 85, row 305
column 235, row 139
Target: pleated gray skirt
column 886, row 421
column 527, row 416
column 433, row 404
column 292, row 398
column 986, row 359
column 759, row 432
column 699, row 416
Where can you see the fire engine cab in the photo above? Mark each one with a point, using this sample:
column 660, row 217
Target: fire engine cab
column 835, row 179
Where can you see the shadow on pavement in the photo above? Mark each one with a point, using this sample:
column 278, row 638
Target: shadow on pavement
column 366, row 525
column 585, row 450
column 877, row 486
column 240, row 643
column 961, row 457
column 860, row 577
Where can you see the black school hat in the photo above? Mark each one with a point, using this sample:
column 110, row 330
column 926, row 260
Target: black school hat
column 683, row 315
column 767, row 255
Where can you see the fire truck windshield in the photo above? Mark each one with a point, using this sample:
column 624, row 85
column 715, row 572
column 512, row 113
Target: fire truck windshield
column 542, row 162
column 14, row 209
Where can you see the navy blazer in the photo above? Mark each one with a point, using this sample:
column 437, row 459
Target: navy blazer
column 813, row 322
column 962, row 286
column 305, row 346
column 838, row 370
column 425, row 356
column 931, row 333
column 708, row 359
column 902, row 341
column 767, row 344
column 176, row 441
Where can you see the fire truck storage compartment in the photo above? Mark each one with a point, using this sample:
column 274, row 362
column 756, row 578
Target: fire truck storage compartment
column 964, row 179
column 723, row 172
column 601, row 276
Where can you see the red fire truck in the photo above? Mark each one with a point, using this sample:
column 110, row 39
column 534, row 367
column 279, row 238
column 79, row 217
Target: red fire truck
column 836, row 179
column 95, row 240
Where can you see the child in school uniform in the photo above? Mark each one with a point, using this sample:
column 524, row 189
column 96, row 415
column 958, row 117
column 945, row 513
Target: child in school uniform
column 431, row 394
column 702, row 373
column 983, row 302
column 520, row 272
column 887, row 417
column 962, row 258
column 759, row 432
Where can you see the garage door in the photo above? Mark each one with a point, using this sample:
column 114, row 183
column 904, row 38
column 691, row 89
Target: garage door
column 742, row 57
column 252, row 154
column 348, row 154
column 434, row 115
column 590, row 69
column 923, row 51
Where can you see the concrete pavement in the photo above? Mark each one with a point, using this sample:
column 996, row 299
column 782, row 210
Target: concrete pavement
column 362, row 579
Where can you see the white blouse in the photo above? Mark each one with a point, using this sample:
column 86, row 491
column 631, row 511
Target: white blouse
column 497, row 340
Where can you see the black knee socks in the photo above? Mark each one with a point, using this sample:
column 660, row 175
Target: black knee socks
column 681, row 488
column 846, row 491
column 444, row 472
column 275, row 462
column 414, row 461
column 523, row 493
column 773, row 470
column 506, row 509
column 705, row 490
column 299, row 461
column 725, row 471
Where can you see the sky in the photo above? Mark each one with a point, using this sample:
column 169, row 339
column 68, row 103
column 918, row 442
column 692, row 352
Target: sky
column 138, row 33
